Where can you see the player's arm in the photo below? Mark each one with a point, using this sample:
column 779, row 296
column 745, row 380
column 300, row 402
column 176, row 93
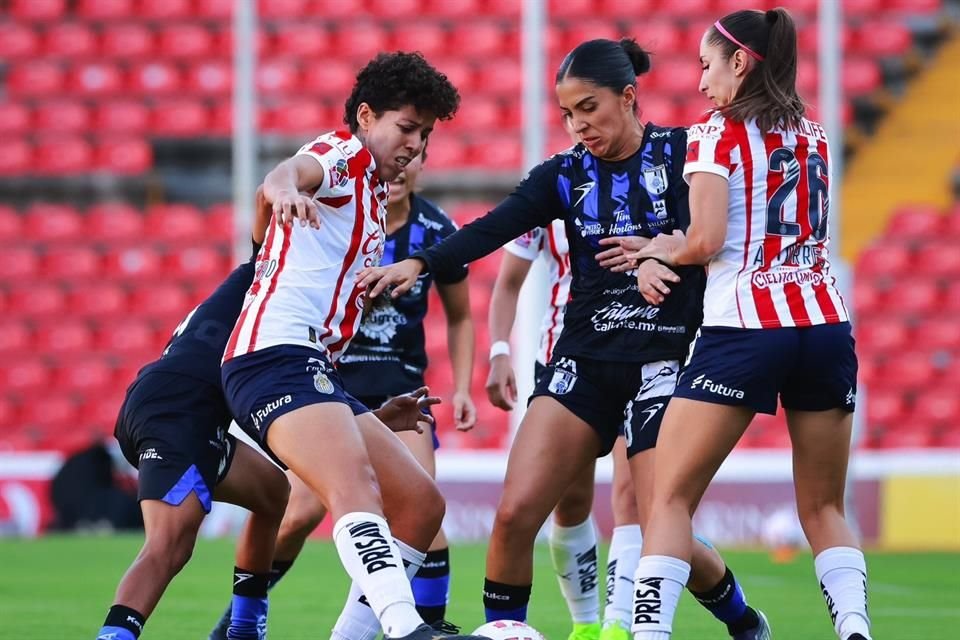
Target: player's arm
column 261, row 218
column 283, row 185
column 502, row 382
column 460, row 344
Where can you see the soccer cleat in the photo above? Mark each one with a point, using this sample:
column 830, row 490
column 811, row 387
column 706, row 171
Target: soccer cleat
column 759, row 632
column 426, row 632
column 445, row 626
column 585, row 631
column 614, row 630
column 220, row 631
column 856, row 636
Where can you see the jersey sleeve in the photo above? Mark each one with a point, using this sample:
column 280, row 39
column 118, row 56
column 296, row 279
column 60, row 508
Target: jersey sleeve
column 332, row 156
column 448, row 228
column 527, row 247
column 534, row 203
column 710, row 145
column 678, row 146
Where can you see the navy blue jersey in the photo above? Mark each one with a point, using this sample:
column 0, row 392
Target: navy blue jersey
column 387, row 355
column 197, row 344
column 643, row 195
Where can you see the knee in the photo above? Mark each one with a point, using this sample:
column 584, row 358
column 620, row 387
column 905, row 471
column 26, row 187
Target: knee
column 302, row 515
column 170, row 551
column 420, row 509
column 516, row 519
column 574, row 507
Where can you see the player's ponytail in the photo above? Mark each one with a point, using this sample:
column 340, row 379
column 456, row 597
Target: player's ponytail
column 606, row 63
column 769, row 91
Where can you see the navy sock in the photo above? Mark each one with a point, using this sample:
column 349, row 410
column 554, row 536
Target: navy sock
column 728, row 604
column 125, row 623
column 505, row 601
column 248, row 619
column 431, row 586
column 277, row 571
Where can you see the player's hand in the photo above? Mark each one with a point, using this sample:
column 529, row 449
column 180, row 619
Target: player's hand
column 652, row 279
column 663, row 247
column 464, row 411
column 290, row 206
column 502, row 383
column 617, row 258
column 399, row 277
column 406, row 412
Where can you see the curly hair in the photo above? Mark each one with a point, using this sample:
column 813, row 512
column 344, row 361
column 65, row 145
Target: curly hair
column 392, row 81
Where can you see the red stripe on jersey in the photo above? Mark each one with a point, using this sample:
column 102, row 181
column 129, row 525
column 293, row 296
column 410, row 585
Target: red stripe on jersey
column 794, row 292
column 555, row 316
column 284, row 248
column 254, row 288
column 335, row 202
column 827, row 308
column 320, row 148
column 762, row 298
column 343, row 135
column 740, row 135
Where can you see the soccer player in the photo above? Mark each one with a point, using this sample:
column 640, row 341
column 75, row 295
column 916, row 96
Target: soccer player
column 303, row 309
column 617, row 359
column 387, row 358
column 774, row 324
column 573, row 539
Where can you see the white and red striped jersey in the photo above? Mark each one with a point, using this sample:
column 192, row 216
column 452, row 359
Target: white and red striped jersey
column 550, row 243
column 773, row 269
column 303, row 291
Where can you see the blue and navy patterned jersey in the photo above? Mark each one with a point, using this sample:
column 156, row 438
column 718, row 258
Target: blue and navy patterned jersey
column 643, row 195
column 387, row 356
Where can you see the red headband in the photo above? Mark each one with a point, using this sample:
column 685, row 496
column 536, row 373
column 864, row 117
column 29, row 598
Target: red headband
column 750, row 52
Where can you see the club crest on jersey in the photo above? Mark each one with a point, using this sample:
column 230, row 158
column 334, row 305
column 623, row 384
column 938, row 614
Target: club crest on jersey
column 339, row 174
column 660, row 209
column 322, row 383
column 562, row 382
column 656, row 179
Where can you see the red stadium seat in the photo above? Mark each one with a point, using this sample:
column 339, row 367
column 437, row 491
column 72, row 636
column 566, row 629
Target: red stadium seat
column 300, row 117
column 883, row 38
column 37, row 301
column 501, row 77
column 16, row 156
column 14, row 118
column 360, row 40
column 951, row 223
column 457, row 9
column 218, row 10
column 98, row 300
column 283, row 9
column 124, row 336
column 429, row 38
column 478, row 114
column 121, row 116
column 62, row 115
column 886, row 407
column 625, row 9
column 210, row 78
column 302, row 41
column 72, row 262
column 101, row 411
column 915, row 222
column 938, row 259
column 277, row 77
column 16, row 338
column 197, row 263
column 124, row 156
column 9, row 417
column 884, row 259
column 912, row 438
column 689, row 9
column 106, row 9
column 64, row 337
column 503, row 8
column 155, row 78
column 84, row 376
column 951, row 297
column 867, row 297
column 486, row 38
column 53, row 222
column 165, row 302
column 871, row 371
column 35, row 78
column 224, row 42
column 71, row 40
column 860, row 76
column 22, row 263
column 663, row 38
column 912, row 369
column 127, row 41
column 807, row 76
column 571, row 9
column 96, row 79
column 938, row 333
column 461, row 73
column 937, row 406
column 176, row 223
column 335, row 79
column 446, row 152
column 185, row 41
column 677, row 76
column 55, row 412
column 915, row 7
column 37, row 9
column 497, row 153
column 590, row 30
column 11, row 224
column 165, row 10
column 18, row 41
column 916, row 297
column 948, row 438
column 884, row 333
column 856, row 8
column 808, row 39
column 180, row 117
column 24, row 376
column 63, row 155
column 140, row 263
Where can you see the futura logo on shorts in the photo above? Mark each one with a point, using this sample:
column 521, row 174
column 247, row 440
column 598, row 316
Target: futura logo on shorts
column 715, row 387
column 260, row 414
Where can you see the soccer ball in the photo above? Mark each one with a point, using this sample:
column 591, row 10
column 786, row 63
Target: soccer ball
column 508, row 630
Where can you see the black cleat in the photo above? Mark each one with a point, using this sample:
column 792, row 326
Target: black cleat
column 444, row 626
column 856, row 636
column 426, row 632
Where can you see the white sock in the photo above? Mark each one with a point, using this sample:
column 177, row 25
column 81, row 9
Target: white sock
column 842, row 572
column 371, row 558
column 659, row 582
column 625, row 547
column 357, row 620
column 574, row 554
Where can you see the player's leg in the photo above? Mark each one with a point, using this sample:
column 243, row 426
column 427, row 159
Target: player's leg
column 431, row 585
column 573, row 550
column 625, row 547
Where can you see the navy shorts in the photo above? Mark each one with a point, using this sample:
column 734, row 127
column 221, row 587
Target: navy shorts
column 173, row 429
column 808, row 368
column 264, row 385
column 614, row 398
column 375, row 402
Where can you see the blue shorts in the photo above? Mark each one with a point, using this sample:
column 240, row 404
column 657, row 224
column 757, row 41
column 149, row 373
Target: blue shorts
column 808, row 368
column 264, row 385
column 375, row 402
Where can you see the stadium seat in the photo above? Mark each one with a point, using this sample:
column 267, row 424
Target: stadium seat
column 37, row 301
column 22, row 262
column 9, row 418
column 571, row 9
column 454, row 9
column 16, row 156
column 886, row 407
column 137, row 263
column 166, row 10
column 860, row 76
column 62, row 115
column 92, row 79
column 587, row 29
column 210, row 78
column 64, row 337
column 11, row 224
column 883, row 37
column 359, row 40
column 180, row 118
column 429, row 38
column 37, row 10
column 214, row 10
column 916, row 297
column 503, row 8
column 303, row 117
column 446, row 152
column 121, row 116
column 890, row 259
column 72, row 262
column 951, row 224
column 70, row 40
column 915, row 222
column 127, row 41
column 101, row 411
column 938, row 333
column 224, row 42
column 334, row 79
column 162, row 301
column 502, row 77
column 54, row 412
column 62, row 155
column 625, row 9
column 914, row 438
column 124, row 336
column 197, row 263
column 35, row 78
column 283, row 9
column 14, row 118
column 871, row 371
column 808, row 39
column 461, row 73
column 98, row 300
column 498, row 153
column 807, row 76
column 187, row 41
column 479, row 114
column 16, row 338
column 83, row 376
column 867, row 297
column 106, row 9
column 938, row 259
column 948, row 438
column 937, row 406
column 676, row 76
column 858, row 8
column 690, row 10
column 176, row 222
column 915, row 7
column 301, row 41
column 661, row 37
column 277, row 77
column 912, row 369
column 124, row 156
column 883, row 333
column 18, row 41
column 25, row 376
column 51, row 222
column 155, row 78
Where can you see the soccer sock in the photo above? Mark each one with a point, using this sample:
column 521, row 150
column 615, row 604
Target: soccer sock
column 728, row 604
column 248, row 609
column 659, row 582
column 278, row 569
column 431, row 586
column 357, row 621
column 574, row 554
column 842, row 572
column 625, row 547
column 505, row 601
column 373, row 561
column 122, row 623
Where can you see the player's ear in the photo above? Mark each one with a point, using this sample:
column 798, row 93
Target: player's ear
column 365, row 116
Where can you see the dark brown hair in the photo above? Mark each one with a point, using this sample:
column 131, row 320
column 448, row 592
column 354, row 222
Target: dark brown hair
column 606, row 63
column 769, row 91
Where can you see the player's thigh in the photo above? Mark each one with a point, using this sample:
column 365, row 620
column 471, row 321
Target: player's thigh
column 421, row 446
column 821, row 451
column 167, row 525
column 254, row 483
column 641, row 472
column 576, row 503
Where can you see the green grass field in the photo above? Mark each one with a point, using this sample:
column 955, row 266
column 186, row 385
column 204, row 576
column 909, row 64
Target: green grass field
column 61, row 587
